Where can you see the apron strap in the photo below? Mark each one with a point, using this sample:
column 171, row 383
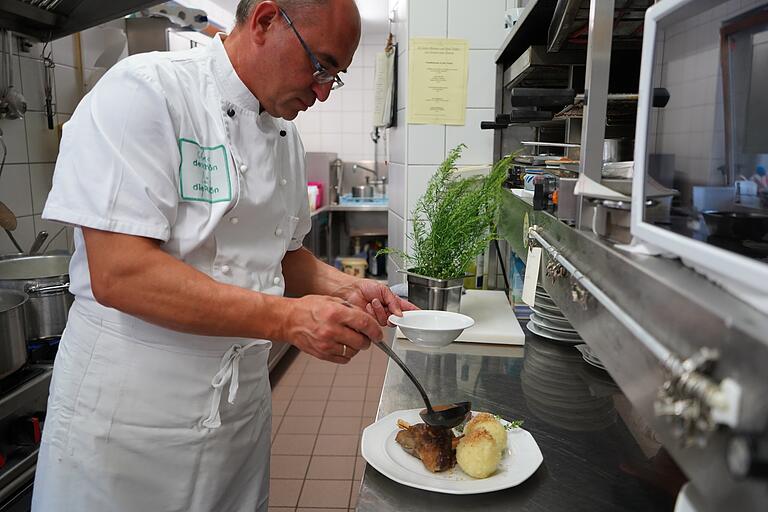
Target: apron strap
column 229, row 372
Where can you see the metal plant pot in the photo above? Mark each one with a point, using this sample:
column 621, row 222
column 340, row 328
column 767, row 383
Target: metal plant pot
column 430, row 293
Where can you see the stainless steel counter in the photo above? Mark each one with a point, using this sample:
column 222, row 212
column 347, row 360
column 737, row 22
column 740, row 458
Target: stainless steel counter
column 598, row 453
column 351, row 208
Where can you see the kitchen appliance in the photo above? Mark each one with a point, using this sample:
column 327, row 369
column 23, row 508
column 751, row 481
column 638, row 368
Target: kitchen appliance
column 48, row 20
column 46, row 280
column 13, row 335
column 725, row 145
column 23, row 399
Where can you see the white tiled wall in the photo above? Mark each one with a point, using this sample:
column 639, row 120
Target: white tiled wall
column 419, row 149
column 343, row 123
column 32, row 147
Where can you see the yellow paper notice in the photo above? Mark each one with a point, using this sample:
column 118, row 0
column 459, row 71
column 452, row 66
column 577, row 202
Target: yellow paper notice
column 437, row 80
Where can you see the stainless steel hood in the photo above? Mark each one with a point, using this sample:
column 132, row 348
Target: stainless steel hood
column 52, row 19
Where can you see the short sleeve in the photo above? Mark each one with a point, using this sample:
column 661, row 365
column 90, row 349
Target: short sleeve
column 117, row 160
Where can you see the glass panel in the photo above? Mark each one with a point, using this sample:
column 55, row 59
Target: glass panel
column 710, row 144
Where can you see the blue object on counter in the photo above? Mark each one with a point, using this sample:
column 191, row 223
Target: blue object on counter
column 347, row 199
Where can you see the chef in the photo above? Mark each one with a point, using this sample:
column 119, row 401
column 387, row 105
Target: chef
column 184, row 179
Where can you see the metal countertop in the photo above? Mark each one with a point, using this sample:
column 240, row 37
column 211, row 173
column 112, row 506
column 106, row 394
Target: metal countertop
column 599, row 455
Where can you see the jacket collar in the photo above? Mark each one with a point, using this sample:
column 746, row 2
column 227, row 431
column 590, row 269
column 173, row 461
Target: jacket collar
column 233, row 89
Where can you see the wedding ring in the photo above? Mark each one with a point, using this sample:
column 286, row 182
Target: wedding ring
column 344, row 351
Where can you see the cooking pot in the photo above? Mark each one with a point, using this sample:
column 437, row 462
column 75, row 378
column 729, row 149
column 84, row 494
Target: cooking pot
column 46, row 280
column 13, row 336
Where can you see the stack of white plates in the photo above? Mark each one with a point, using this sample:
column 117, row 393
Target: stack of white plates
column 549, row 322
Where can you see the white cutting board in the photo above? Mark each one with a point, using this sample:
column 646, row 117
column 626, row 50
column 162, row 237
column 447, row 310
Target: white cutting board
column 494, row 318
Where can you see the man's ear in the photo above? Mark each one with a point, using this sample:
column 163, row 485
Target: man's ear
column 264, row 19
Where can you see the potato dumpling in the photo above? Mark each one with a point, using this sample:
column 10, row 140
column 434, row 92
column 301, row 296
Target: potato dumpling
column 477, row 454
column 490, row 423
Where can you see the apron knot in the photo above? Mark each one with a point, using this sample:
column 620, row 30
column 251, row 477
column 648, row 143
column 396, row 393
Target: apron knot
column 229, row 372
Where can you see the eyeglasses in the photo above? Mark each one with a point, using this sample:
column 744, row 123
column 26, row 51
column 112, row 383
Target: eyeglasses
column 321, row 75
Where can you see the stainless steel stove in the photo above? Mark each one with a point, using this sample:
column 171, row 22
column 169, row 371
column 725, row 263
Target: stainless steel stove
column 23, row 398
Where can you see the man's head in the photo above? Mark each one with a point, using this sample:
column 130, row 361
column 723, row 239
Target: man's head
column 269, row 57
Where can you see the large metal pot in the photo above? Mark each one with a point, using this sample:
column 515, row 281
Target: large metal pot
column 46, row 280
column 13, row 336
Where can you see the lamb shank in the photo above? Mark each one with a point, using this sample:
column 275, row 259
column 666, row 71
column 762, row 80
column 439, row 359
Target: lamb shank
column 435, row 446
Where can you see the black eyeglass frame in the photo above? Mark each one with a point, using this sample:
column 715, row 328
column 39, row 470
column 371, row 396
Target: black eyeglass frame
column 321, row 74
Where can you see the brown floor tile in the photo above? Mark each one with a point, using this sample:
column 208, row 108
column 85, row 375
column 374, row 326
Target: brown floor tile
column 300, row 424
column 306, row 408
column 281, row 509
column 367, row 420
column 275, row 425
column 350, row 380
column 279, row 407
column 375, row 380
column 307, row 509
column 321, row 367
column 373, row 394
column 325, row 493
column 288, row 379
column 312, row 393
column 359, row 468
column 293, row 444
column 345, row 445
column 347, row 394
column 283, row 392
column 316, row 379
column 288, row 466
column 347, row 409
column 355, row 369
column 336, row 425
column 331, row 468
column 370, row 408
column 284, row 493
column 354, row 495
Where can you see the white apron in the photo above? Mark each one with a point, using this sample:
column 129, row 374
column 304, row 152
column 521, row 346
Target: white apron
column 126, row 430
column 169, row 146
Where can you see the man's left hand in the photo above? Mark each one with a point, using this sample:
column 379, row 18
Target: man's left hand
column 376, row 298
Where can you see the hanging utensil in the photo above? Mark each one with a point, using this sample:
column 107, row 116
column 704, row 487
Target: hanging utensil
column 38, row 243
column 8, row 223
column 48, row 66
column 16, row 104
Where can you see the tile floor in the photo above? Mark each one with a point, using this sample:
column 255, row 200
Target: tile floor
column 319, row 411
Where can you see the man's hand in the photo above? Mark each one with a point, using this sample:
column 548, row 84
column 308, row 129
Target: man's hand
column 329, row 328
column 375, row 298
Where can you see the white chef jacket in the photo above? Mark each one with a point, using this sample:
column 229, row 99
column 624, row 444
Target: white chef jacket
column 169, row 146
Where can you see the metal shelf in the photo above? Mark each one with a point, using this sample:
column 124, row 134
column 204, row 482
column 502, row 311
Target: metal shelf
column 570, row 24
column 537, row 68
column 527, row 31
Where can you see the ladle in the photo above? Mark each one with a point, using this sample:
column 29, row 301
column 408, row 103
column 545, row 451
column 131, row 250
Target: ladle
column 447, row 416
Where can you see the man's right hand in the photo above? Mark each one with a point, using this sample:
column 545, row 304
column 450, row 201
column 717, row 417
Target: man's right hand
column 322, row 326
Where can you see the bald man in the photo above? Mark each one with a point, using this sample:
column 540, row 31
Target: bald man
column 184, row 179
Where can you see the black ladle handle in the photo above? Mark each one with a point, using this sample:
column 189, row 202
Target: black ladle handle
column 383, row 346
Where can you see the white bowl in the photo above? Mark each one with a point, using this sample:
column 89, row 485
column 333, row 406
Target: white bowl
column 430, row 328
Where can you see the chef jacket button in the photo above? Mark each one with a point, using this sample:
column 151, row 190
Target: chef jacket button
column 282, row 133
column 234, row 220
column 283, row 182
column 279, row 231
column 243, row 167
column 276, row 280
column 225, row 269
column 231, row 112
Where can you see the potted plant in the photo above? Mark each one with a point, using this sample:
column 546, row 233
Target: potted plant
column 453, row 222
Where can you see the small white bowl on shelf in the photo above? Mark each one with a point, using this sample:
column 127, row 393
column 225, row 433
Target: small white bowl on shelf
column 430, row 328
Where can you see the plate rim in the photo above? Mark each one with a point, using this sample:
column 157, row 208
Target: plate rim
column 559, row 329
column 550, row 336
column 529, row 439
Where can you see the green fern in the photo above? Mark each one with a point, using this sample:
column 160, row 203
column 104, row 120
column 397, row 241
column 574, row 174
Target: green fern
column 455, row 219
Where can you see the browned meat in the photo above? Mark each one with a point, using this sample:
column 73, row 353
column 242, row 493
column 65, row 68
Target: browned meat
column 433, row 445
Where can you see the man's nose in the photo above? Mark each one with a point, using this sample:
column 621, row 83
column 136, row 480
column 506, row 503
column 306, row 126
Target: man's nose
column 322, row 91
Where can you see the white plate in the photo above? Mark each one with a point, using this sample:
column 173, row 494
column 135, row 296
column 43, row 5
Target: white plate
column 553, row 326
column 548, row 315
column 379, row 448
column 557, row 336
column 551, row 307
column 589, row 356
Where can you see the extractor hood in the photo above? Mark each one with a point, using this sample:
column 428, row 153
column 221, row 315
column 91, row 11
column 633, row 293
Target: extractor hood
column 51, row 19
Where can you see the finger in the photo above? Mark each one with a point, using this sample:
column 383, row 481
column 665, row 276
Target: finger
column 346, row 351
column 364, row 324
column 353, row 339
column 379, row 312
column 391, row 301
column 407, row 306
